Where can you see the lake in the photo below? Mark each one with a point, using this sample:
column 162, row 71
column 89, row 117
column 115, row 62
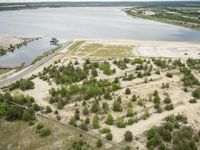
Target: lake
column 81, row 22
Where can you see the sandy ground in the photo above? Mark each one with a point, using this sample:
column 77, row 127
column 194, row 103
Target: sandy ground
column 157, row 48
column 146, row 49
column 5, row 41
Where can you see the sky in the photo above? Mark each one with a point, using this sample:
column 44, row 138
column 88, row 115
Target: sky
column 82, row 0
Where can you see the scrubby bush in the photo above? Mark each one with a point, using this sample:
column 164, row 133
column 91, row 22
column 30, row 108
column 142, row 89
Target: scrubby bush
column 84, row 127
column 167, row 100
column 128, row 136
column 128, row 91
column 105, row 130
column 194, row 100
column 99, row 143
column 109, row 119
column 117, row 106
column 196, row 93
column 95, row 122
column 120, row 123
column 169, row 75
column 44, row 132
column 109, row 136
column 130, row 112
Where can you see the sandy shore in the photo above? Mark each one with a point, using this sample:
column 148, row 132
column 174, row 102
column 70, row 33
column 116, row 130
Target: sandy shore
column 6, row 40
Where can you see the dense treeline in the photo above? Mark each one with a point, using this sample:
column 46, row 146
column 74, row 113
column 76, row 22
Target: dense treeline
column 88, row 89
column 174, row 133
column 64, row 74
column 11, row 111
column 23, row 84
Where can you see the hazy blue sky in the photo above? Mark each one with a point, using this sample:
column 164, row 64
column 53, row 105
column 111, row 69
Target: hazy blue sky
column 81, row 0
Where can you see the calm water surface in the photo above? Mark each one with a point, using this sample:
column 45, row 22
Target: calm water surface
column 71, row 23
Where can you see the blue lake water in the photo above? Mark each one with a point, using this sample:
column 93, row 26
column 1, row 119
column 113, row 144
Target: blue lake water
column 81, row 22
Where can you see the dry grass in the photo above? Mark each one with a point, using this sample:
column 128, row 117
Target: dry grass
column 19, row 135
column 99, row 50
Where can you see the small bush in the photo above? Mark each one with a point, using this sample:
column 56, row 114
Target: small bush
column 128, row 136
column 44, row 132
column 99, row 143
column 169, row 107
column 109, row 136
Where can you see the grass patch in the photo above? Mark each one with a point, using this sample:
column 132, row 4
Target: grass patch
column 4, row 70
column 19, row 134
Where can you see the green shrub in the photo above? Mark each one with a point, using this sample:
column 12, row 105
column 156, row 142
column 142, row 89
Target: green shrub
column 121, row 123
column 83, row 126
column 128, row 136
column 105, row 130
column 44, row 132
column 109, row 136
column 23, row 84
column 99, row 143
column 117, row 106
column 95, row 122
column 169, row 107
column 127, row 91
column 109, row 119
column 130, row 112
column 196, row 93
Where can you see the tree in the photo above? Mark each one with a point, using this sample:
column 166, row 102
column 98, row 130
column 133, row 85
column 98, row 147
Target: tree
column 130, row 112
column 128, row 91
column 128, row 136
column 95, row 122
column 105, row 130
column 99, row 143
column 87, row 120
column 48, row 109
column 109, row 119
column 167, row 100
column 121, row 123
column 146, row 114
column 105, row 107
column 85, row 111
column 134, row 98
column 109, row 136
column 95, row 107
column 44, row 132
column 84, row 127
column 72, row 121
column 169, row 107
column 94, row 72
column 117, row 106
column 196, row 93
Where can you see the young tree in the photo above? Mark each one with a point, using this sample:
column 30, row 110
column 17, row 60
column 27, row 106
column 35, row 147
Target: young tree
column 127, row 91
column 85, row 111
column 95, row 122
column 121, row 123
column 130, row 112
column 95, row 107
column 109, row 119
column 99, row 143
column 117, row 106
column 109, row 136
column 105, row 107
column 128, row 136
